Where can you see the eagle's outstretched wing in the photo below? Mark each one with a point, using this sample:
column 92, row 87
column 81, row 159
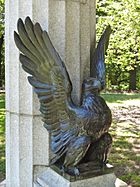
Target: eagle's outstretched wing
column 97, row 69
column 50, row 81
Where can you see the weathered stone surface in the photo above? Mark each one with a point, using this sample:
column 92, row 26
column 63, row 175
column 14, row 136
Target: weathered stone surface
column 71, row 26
column 51, row 179
column 40, row 143
column 18, row 126
column 25, row 145
column 36, row 184
column 38, row 170
column 19, row 149
column 3, row 183
column 120, row 183
column 76, row 23
column 80, row 36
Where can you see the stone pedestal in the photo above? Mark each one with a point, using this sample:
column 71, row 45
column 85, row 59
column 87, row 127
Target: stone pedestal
column 105, row 178
column 71, row 26
column 52, row 179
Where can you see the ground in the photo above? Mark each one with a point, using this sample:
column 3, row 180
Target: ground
column 125, row 154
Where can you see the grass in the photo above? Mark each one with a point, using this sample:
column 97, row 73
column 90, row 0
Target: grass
column 120, row 98
column 2, row 137
column 125, row 154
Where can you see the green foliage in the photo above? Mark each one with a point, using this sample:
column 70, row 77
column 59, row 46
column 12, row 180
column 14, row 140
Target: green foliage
column 2, row 137
column 1, row 17
column 120, row 98
column 124, row 49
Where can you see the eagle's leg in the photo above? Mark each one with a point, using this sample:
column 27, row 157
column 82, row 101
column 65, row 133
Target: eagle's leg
column 71, row 170
column 76, row 151
column 99, row 151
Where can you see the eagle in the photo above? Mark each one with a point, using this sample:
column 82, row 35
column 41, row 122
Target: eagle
column 77, row 133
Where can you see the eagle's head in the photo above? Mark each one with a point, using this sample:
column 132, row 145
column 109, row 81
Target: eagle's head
column 91, row 85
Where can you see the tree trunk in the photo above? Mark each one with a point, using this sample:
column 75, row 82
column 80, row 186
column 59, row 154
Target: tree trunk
column 1, row 43
column 132, row 79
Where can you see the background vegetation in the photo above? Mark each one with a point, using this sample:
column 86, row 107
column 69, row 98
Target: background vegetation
column 2, row 64
column 123, row 57
column 2, row 137
column 125, row 130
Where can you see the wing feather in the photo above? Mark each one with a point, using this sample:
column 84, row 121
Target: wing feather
column 98, row 62
column 30, row 31
column 50, row 80
column 27, row 42
column 23, row 48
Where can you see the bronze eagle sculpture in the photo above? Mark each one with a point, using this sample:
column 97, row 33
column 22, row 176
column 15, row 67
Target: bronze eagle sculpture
column 77, row 133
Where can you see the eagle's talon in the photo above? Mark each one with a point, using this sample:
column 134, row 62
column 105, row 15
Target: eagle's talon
column 76, row 171
column 63, row 169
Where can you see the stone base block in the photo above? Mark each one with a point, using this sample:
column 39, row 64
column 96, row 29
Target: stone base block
column 3, row 183
column 120, row 183
column 35, row 184
column 50, row 178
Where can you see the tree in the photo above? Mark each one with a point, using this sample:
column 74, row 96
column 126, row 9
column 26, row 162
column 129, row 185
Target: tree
column 1, row 45
column 123, row 59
